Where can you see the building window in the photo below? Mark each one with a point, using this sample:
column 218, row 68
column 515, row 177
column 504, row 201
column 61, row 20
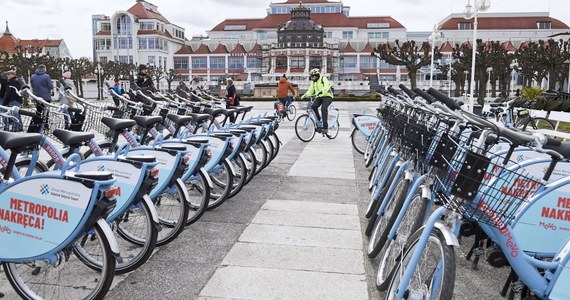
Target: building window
column 103, row 59
column 298, row 62
column 328, row 34
column 348, row 62
column 347, row 35
column 123, row 43
column 261, row 35
column 315, row 62
column 151, row 60
column 281, row 10
column 217, row 63
column 124, row 25
column 347, row 77
column 181, row 63
column 281, row 62
column 385, row 65
column 235, row 62
column 103, row 44
column 178, row 33
column 543, row 25
column 105, row 26
column 378, row 25
column 379, row 35
column 253, row 63
column 127, row 59
column 147, row 25
column 235, row 27
column 464, row 26
column 199, row 63
column 153, row 43
column 234, row 36
column 368, row 62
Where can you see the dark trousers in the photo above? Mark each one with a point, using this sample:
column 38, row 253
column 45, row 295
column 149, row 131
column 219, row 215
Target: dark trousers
column 324, row 103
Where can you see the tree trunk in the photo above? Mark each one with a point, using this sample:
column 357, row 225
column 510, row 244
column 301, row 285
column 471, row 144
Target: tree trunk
column 412, row 75
column 494, row 88
column 552, row 78
column 458, row 87
column 482, row 91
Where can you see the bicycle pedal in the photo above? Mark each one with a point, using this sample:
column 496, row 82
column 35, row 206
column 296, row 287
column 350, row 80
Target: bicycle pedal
column 517, row 286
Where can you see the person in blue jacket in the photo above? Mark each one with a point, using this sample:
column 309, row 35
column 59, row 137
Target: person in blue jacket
column 42, row 84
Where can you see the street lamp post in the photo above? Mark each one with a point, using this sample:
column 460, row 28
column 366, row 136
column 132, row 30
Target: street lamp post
column 434, row 37
column 514, row 67
column 489, row 71
column 471, row 12
column 99, row 72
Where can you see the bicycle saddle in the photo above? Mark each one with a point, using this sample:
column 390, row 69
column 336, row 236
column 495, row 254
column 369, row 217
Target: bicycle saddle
column 68, row 137
column 200, row 117
column 141, row 158
column 117, row 124
column 95, row 175
column 228, row 112
column 147, row 121
column 213, row 112
column 179, row 120
column 563, row 149
column 12, row 140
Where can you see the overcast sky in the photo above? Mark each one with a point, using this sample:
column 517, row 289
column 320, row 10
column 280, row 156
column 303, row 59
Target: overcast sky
column 71, row 19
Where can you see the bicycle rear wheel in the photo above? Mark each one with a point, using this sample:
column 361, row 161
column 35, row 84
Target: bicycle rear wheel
column 358, row 140
column 222, row 179
column 240, row 176
column 305, row 128
column 199, row 192
column 333, row 131
column 435, row 266
column 537, row 123
column 172, row 208
column 70, row 279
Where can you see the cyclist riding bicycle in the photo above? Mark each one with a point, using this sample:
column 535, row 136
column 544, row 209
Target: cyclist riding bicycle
column 283, row 88
column 321, row 87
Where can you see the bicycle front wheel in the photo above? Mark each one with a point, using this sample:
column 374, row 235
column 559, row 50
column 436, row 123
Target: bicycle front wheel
column 333, row 131
column 172, row 208
column 291, row 112
column 305, row 128
column 434, row 273
column 69, row 279
column 359, row 141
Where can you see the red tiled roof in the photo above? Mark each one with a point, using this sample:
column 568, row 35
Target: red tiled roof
column 504, row 23
column 509, row 46
column 8, row 43
column 142, row 12
column 185, row 49
column 203, row 49
column 35, row 43
column 523, row 45
column 446, row 47
column 221, row 49
column 348, row 48
column 256, row 48
column 103, row 33
column 157, row 32
column 327, row 20
column 468, row 44
column 367, row 48
column 239, row 49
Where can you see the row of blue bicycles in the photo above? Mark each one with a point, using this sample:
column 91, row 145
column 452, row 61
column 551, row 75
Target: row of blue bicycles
column 440, row 173
column 73, row 217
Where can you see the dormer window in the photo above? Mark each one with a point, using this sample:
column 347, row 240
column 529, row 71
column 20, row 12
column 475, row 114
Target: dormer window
column 464, row 26
column 543, row 25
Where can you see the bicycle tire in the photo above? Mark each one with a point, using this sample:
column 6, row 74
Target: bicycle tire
column 251, row 165
column 270, row 150
column 273, row 139
column 385, row 222
column 373, row 186
column 23, row 165
column 104, row 145
column 261, row 157
column 172, row 208
column 240, row 176
column 378, row 203
column 358, row 141
column 305, row 128
column 447, row 253
column 222, row 184
column 538, row 123
column 389, row 254
column 199, row 192
column 291, row 112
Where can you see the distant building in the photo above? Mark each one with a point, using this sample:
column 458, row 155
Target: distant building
column 55, row 48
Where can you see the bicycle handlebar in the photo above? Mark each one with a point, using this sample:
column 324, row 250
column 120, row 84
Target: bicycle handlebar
column 451, row 103
column 407, row 91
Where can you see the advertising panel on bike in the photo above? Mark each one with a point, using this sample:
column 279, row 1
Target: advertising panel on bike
column 216, row 146
column 332, row 117
column 38, row 214
column 365, row 124
column 165, row 165
column 127, row 176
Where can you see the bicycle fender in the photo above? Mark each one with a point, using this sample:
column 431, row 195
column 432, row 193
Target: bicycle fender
column 450, row 238
column 152, row 208
column 111, row 238
column 208, row 179
column 184, row 191
column 231, row 166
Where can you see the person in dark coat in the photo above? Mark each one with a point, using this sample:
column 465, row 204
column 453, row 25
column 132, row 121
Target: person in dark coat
column 42, row 84
column 145, row 83
column 12, row 98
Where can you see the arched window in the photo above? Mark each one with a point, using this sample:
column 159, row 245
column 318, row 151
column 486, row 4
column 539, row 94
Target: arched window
column 124, row 25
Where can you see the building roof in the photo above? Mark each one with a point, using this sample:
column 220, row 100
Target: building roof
column 35, row 43
column 255, row 49
column 239, row 49
column 367, row 48
column 103, row 33
column 185, row 49
column 503, row 21
column 509, row 46
column 446, row 47
column 273, row 21
column 143, row 12
column 221, row 49
column 348, row 48
column 203, row 49
column 157, row 32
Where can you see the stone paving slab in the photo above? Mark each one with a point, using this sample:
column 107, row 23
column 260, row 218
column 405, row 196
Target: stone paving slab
column 331, row 260
column 305, row 219
column 260, row 283
column 302, row 236
column 303, row 206
column 347, row 198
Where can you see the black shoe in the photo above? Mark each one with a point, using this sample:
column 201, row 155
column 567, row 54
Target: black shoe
column 325, row 131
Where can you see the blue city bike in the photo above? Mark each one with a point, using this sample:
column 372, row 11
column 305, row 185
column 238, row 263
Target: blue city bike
column 364, row 128
column 43, row 218
column 307, row 123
